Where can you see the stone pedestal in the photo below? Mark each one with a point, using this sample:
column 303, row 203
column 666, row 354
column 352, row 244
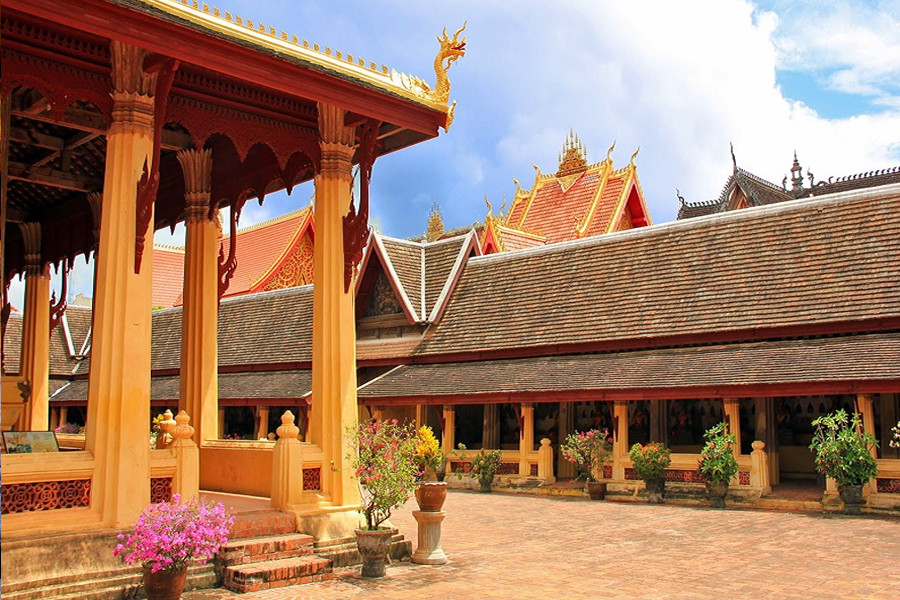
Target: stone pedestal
column 429, row 551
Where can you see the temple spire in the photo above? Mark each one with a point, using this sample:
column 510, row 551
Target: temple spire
column 573, row 158
column 435, row 224
column 796, row 177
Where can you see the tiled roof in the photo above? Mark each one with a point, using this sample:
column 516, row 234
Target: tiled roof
column 758, row 191
column 262, row 385
column 609, row 200
column 555, row 212
column 869, row 357
column 168, row 275
column 798, row 263
column 260, row 246
column 263, row 328
column 62, row 362
column 436, row 258
column 856, row 182
column 515, row 240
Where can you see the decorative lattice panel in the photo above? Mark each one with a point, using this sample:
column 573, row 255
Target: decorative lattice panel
column 49, row 495
column 160, row 489
column 888, row 486
column 462, row 467
column 312, row 478
column 533, row 470
column 508, row 468
column 607, row 472
column 685, row 476
column 743, row 477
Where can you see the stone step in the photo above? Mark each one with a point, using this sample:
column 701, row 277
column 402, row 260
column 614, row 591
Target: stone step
column 277, row 573
column 113, row 585
column 243, row 551
column 262, row 522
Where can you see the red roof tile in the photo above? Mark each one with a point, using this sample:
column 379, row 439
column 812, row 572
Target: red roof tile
column 168, row 275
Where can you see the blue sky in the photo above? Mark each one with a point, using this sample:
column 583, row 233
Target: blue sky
column 682, row 80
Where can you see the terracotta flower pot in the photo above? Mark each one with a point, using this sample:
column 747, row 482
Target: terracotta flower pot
column 596, row 490
column 430, row 495
column 717, row 490
column 164, row 585
column 374, row 547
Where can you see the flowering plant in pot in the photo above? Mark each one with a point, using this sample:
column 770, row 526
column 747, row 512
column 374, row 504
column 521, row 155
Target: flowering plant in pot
column 588, row 450
column 717, row 462
column 843, row 451
column 168, row 536
column 650, row 463
column 384, row 463
column 431, row 493
column 483, row 465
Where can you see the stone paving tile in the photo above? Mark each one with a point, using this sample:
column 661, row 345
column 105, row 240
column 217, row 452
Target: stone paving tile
column 560, row 548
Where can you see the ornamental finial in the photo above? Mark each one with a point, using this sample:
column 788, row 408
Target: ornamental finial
column 451, row 50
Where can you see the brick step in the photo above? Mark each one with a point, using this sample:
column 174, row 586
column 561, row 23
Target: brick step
column 277, row 573
column 262, row 522
column 258, row 549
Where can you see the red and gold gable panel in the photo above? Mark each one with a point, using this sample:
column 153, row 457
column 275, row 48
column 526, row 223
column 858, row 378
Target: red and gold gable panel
column 297, row 269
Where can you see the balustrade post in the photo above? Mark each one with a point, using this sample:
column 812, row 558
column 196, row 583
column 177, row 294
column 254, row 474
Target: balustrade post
column 545, row 462
column 187, row 458
column 759, row 468
column 166, row 427
column 287, row 465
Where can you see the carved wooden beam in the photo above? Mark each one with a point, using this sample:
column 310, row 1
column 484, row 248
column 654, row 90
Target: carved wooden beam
column 53, row 178
column 92, row 122
column 65, row 153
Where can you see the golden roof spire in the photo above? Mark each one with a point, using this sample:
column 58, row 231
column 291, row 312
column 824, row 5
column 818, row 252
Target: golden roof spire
column 573, row 158
column 435, row 224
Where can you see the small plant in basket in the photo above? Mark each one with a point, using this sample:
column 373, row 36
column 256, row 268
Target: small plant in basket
column 483, row 465
column 650, row 463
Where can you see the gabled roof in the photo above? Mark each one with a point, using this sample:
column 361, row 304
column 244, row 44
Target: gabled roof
column 70, row 343
column 741, row 184
column 421, row 273
column 805, row 263
column 579, row 200
column 168, row 275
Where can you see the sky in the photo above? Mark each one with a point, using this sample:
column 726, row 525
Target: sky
column 680, row 80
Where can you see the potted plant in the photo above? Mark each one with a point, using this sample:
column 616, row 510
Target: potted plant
column 483, row 466
column 717, row 463
column 384, row 463
column 650, row 464
column 843, row 451
column 170, row 535
column 430, row 493
column 588, row 450
column 895, row 437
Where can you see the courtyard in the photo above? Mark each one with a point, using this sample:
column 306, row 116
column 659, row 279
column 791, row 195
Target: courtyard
column 515, row 546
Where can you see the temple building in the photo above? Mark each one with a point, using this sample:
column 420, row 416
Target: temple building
column 579, row 200
column 121, row 117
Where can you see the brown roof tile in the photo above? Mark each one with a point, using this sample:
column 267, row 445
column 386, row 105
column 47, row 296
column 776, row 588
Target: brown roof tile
column 440, row 257
column 406, row 258
column 804, row 262
column 870, row 357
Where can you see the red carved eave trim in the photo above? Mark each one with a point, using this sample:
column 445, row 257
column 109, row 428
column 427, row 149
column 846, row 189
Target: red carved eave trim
column 110, row 20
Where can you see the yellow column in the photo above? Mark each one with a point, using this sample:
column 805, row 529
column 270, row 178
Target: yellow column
column 732, row 410
column 866, row 404
column 448, row 438
column 334, row 331
column 199, row 392
column 620, row 441
column 35, row 356
column 119, row 390
column 526, row 439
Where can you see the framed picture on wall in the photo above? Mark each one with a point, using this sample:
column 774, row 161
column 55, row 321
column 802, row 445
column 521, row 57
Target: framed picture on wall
column 28, row 442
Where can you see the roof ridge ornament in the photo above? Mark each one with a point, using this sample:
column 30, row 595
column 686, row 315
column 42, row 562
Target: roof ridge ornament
column 633, row 156
column 733, row 159
column 573, row 158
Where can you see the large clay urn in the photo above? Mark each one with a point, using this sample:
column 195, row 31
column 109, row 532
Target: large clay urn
column 164, row 585
column 374, row 547
column 717, row 490
column 430, row 495
column 852, row 497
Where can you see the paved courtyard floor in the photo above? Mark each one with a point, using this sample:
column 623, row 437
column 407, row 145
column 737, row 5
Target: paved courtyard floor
column 558, row 548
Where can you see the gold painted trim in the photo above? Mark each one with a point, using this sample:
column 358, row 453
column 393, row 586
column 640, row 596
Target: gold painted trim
column 616, row 216
column 606, row 166
column 277, row 264
column 268, row 37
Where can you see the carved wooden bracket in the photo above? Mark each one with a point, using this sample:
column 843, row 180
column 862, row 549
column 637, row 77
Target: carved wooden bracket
column 149, row 182
column 58, row 307
column 227, row 266
column 356, row 224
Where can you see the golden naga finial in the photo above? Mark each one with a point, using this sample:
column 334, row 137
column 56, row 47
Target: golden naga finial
column 610, row 151
column 489, row 207
column 633, row 156
column 451, row 50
